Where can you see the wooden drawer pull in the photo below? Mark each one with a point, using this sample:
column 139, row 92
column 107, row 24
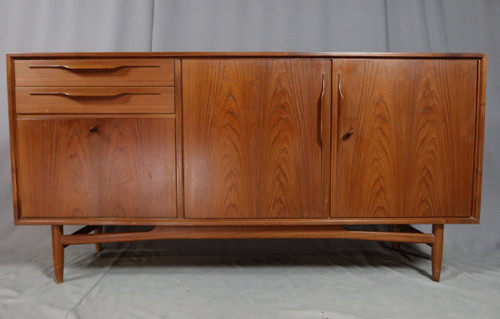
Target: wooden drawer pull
column 92, row 94
column 90, row 67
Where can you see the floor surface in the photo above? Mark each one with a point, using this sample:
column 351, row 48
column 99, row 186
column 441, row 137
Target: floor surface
column 245, row 279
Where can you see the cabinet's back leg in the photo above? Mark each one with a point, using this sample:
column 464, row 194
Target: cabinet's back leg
column 57, row 253
column 395, row 245
column 98, row 246
column 437, row 251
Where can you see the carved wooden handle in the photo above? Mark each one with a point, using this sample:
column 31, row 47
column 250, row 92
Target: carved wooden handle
column 340, row 98
column 321, row 107
column 92, row 94
column 340, row 87
column 89, row 67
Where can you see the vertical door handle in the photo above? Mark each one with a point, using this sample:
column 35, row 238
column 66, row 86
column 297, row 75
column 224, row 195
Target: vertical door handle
column 321, row 107
column 340, row 97
column 324, row 199
column 347, row 134
column 340, row 87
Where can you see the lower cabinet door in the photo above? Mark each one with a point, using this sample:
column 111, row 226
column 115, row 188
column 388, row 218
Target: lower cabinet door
column 96, row 168
column 256, row 137
column 405, row 137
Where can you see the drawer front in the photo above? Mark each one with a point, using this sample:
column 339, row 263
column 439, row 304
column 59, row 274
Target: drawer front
column 95, row 72
column 94, row 100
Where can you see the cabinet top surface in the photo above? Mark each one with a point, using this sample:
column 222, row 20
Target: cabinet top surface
column 246, row 54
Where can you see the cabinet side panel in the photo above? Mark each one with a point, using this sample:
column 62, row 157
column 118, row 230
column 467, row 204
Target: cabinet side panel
column 412, row 150
column 12, row 133
column 107, row 168
column 480, row 118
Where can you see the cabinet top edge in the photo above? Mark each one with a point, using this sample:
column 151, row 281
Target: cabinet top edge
column 45, row 55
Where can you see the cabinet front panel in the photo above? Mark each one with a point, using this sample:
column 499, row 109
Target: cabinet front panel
column 256, row 138
column 406, row 137
column 102, row 167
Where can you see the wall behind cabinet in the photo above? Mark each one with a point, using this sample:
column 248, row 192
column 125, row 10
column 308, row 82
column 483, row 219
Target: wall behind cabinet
column 264, row 25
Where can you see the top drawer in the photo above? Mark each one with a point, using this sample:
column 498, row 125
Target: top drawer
column 95, row 72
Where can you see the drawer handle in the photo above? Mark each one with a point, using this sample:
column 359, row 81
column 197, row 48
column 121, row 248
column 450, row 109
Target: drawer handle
column 90, row 67
column 92, row 94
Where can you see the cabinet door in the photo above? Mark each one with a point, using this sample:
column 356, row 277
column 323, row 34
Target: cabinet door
column 256, row 137
column 405, row 137
column 96, row 168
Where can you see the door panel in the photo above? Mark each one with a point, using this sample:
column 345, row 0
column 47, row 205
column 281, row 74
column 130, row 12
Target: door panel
column 104, row 168
column 405, row 137
column 256, row 138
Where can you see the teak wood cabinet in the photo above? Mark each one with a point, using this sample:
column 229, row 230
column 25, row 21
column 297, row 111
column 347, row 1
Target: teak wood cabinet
column 246, row 145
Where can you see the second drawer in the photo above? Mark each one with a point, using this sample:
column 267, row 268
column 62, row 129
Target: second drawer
column 94, row 100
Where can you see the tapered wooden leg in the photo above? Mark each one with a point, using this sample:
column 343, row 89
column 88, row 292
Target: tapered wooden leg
column 57, row 253
column 98, row 246
column 395, row 245
column 437, row 251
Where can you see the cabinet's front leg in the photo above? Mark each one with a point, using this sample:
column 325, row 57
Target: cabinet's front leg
column 57, row 253
column 437, row 251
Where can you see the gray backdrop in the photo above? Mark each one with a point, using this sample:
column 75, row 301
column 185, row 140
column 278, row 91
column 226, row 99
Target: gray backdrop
column 254, row 279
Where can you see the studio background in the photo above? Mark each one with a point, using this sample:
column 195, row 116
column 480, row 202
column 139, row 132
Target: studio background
column 252, row 278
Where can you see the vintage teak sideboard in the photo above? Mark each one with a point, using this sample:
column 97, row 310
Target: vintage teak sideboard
column 246, row 145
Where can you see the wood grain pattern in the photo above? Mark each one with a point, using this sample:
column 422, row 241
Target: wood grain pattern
column 412, row 150
column 478, row 58
column 95, row 72
column 84, row 168
column 94, row 100
column 252, row 144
